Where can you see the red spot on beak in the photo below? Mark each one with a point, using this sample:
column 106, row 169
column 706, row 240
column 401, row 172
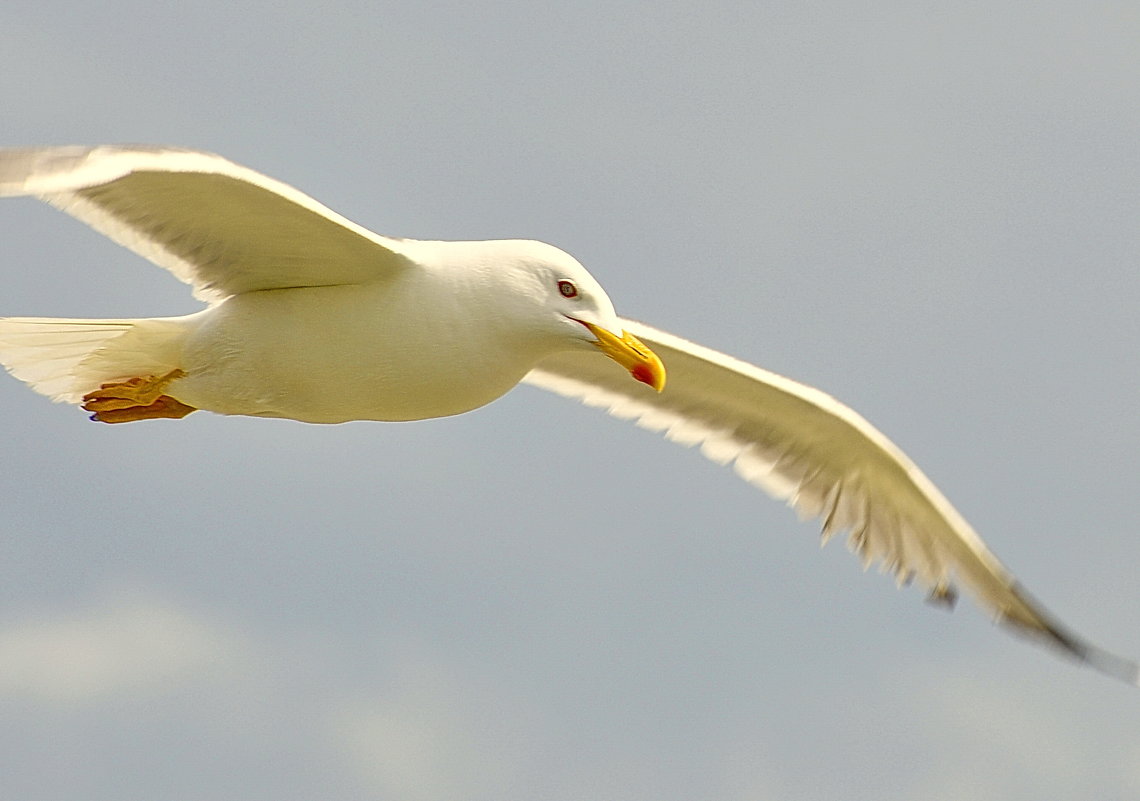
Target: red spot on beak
column 643, row 374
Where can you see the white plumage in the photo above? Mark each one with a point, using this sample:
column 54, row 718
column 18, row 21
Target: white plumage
column 315, row 318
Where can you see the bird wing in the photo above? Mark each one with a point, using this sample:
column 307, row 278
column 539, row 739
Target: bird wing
column 803, row 446
column 220, row 227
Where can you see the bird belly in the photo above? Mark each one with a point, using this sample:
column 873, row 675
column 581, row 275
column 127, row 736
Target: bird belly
column 333, row 354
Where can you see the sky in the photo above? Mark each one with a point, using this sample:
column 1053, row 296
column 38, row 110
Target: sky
column 927, row 210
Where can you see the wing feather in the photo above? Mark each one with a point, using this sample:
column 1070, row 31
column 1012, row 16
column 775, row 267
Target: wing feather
column 223, row 228
column 803, row 446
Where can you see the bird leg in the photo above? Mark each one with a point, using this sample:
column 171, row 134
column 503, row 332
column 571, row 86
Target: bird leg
column 139, row 398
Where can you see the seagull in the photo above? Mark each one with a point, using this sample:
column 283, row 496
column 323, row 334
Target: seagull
column 312, row 317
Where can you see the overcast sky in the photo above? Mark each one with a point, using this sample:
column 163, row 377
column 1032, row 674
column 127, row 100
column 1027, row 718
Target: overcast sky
column 928, row 210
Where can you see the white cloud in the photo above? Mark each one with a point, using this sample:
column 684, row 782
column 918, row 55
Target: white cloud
column 426, row 739
column 127, row 644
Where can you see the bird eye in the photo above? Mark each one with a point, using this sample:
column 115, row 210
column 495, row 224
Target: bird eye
column 568, row 289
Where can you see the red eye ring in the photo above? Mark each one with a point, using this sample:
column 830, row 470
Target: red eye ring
column 567, row 289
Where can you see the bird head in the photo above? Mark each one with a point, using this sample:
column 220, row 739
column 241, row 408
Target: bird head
column 564, row 301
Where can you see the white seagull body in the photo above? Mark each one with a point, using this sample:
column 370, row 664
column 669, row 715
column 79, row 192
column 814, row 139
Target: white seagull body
column 314, row 318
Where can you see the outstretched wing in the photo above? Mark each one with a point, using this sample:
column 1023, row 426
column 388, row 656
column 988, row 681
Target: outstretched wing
column 223, row 228
column 803, row 446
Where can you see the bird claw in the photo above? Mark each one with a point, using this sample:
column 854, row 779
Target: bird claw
column 140, row 398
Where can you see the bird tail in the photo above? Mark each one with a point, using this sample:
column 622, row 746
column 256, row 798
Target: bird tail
column 65, row 359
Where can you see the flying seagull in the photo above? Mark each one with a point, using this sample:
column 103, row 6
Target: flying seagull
column 312, row 317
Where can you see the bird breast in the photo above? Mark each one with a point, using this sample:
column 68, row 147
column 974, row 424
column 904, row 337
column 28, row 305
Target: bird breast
column 337, row 353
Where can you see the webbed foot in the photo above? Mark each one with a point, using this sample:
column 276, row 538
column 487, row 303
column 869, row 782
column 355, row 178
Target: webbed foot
column 139, row 398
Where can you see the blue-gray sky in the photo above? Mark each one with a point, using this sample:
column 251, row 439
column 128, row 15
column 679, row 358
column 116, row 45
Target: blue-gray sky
column 928, row 210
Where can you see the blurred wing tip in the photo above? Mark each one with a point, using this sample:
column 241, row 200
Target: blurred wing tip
column 1106, row 662
column 1073, row 647
column 1102, row 661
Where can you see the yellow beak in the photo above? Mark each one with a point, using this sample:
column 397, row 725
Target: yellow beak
column 628, row 351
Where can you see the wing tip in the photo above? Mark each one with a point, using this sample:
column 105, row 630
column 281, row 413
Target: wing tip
column 1048, row 630
column 40, row 171
column 1102, row 661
